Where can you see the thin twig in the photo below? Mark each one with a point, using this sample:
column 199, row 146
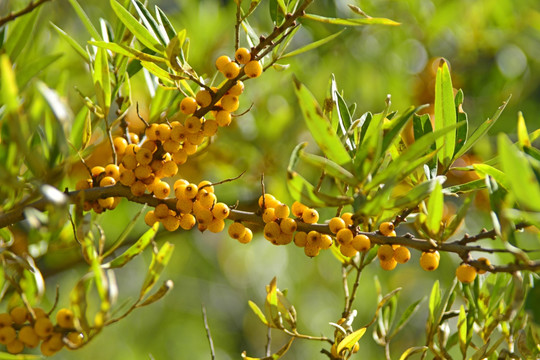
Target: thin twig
column 208, row 334
column 237, row 25
column 268, row 347
column 13, row 15
column 140, row 117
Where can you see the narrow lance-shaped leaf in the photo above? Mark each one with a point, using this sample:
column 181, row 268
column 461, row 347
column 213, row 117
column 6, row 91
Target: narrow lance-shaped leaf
column 320, row 127
column 159, row 261
column 351, row 22
column 329, row 167
column 413, row 351
column 134, row 249
column 523, row 135
column 20, row 34
column 406, row 316
column 415, row 195
column 397, row 125
column 498, row 175
column 158, row 295
column 523, row 182
column 462, row 330
column 128, row 51
column 313, row 45
column 9, row 84
column 85, row 19
column 350, row 340
column 75, row 45
column 150, row 23
column 138, row 30
column 434, row 302
column 445, row 113
column 481, row 130
column 258, row 312
column 462, row 131
column 435, row 209
column 102, row 81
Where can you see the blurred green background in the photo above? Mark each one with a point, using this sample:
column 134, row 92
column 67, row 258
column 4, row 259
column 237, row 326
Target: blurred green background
column 494, row 51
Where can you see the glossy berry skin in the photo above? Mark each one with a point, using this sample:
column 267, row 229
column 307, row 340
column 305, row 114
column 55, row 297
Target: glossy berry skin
column 203, row 98
column 466, row 273
column 231, row 70
column 220, row 211
column 298, row 209
column 347, row 250
column 361, row 243
column 248, row 235
column 300, row 239
column 242, row 55
column 402, row 254
column 336, row 224
column 385, row 252
column 269, row 201
column 65, row 318
column 188, row 105
column 282, row 211
column 429, row 261
column 347, row 217
column 288, row 226
column 230, row 103
column 28, row 336
column 253, row 69
column 236, row 230
column 272, row 230
column 344, row 236
column 386, row 228
column 310, row 216
column 222, row 61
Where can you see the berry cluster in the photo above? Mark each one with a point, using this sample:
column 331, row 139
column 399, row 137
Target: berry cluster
column 20, row 328
column 195, row 204
column 100, row 176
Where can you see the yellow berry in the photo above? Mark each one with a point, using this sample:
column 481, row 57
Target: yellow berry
column 385, row 252
column 120, row 145
column 216, row 225
column 388, row 264
column 386, row 228
column 326, row 241
column 231, row 70
column 144, row 156
column 162, row 190
column 129, row 162
column 54, row 343
column 107, row 181
column 178, row 133
column 97, row 170
column 298, row 209
column 361, row 243
column 310, row 216
column 75, row 339
column 7, row 335
column 83, row 184
column 248, row 235
column 253, row 69
column 163, row 131
column 402, row 254
column 272, row 230
column 311, row 250
column 170, row 223
column 203, row 98
column 169, row 169
column 180, row 157
column 242, row 55
column 187, row 221
column 193, row 124
column 161, row 211
column 429, row 261
column 106, row 203
column 142, row 172
column 230, row 103
column 336, row 224
column 269, row 201
column 65, row 318
column 149, row 145
column 15, row 347
column 347, row 250
column 466, row 273
column 220, row 211
column 191, row 191
column 38, row 313
column 237, row 89
column 288, row 225
column 19, row 314
column 188, row 105
column 134, row 138
column 43, row 327
column 207, row 199
column 204, row 216
column 113, row 171
column 485, row 262
column 236, row 230
column 344, row 236
column 313, row 238
column 150, row 218
column 300, row 239
column 222, row 61
column 284, row 239
column 347, row 217
column 223, row 118
column 28, row 336
column 282, row 211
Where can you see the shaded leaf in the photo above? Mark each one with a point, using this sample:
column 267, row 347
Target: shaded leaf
column 150, row 23
column 405, row 317
column 128, row 51
column 329, row 167
column 85, row 19
column 413, row 351
column 158, row 295
column 20, row 33
column 415, row 195
column 135, row 249
column 312, row 45
column 159, row 261
column 466, row 187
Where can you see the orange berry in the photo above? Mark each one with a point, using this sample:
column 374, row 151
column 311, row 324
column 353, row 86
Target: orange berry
column 220, row 211
column 288, row 225
column 120, row 145
column 15, row 347
column 65, row 318
column 223, row 118
column 170, row 223
column 209, row 128
column 19, row 314
column 402, row 254
column 107, row 181
column 231, row 70
column 203, row 98
column 248, row 235
column 388, row 264
column 83, row 184
column 300, row 239
column 272, row 231
column 269, row 201
column 191, row 191
column 485, row 262
column 347, row 217
column 326, row 241
column 283, row 239
column 311, row 250
column 127, row 177
column 187, row 221
column 336, row 224
column 385, row 252
column 429, row 261
column 113, row 171
column 236, row 230
column 150, row 218
column 313, row 238
column 242, row 55
column 466, row 273
column 298, row 209
column 142, row 172
column 138, row 188
column 180, row 157
column 361, row 243
column 7, row 335
column 129, row 162
column 347, row 250
column 230, row 103
column 162, row 190
column 237, row 89
column 282, row 211
column 188, row 105
column 386, row 228
column 28, row 336
column 97, row 170
column 310, row 216
column 222, row 61
column 43, row 327
column 253, row 69
column 344, row 236
column 193, row 125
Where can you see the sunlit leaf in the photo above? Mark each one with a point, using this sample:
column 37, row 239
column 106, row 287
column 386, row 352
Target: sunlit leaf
column 258, row 312
column 481, row 130
column 523, row 135
column 85, row 19
column 462, row 330
column 498, row 175
column 351, row 339
column 312, row 45
column 415, row 195
column 329, row 167
column 351, row 22
column 159, row 261
column 434, row 301
column 466, row 187
column 413, row 351
column 320, row 127
column 9, row 84
column 523, row 182
column 445, row 114
column 135, row 249
column 8, row 356
column 138, row 30
column 435, row 208
column 150, row 23
column 158, row 295
column 128, row 51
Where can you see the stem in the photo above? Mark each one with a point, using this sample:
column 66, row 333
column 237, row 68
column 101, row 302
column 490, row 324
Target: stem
column 208, row 334
column 13, row 15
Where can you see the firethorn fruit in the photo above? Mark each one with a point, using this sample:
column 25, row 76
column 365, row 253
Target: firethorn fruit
column 242, row 55
column 107, row 181
column 120, row 145
column 253, row 69
column 223, row 118
column 311, row 250
column 429, row 261
column 193, row 124
column 466, row 273
column 150, row 218
column 170, row 223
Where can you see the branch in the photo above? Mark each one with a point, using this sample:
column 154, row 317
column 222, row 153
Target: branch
column 13, row 15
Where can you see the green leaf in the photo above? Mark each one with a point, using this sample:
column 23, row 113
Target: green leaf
column 20, row 33
column 413, row 351
column 133, row 250
column 102, row 81
column 8, row 356
column 445, row 113
column 303, row 191
column 434, row 302
column 320, row 127
column 351, row 339
column 481, row 130
column 125, row 233
column 466, row 187
column 30, row 69
column 312, row 46
column 174, row 50
column 498, row 175
column 258, row 312
column 351, row 22
column 406, row 316
column 138, row 30
column 523, row 181
column 85, row 19
column 451, row 228
column 274, row 356
column 435, row 208
column 159, row 261
column 462, row 331
column 150, row 23
column 271, row 304
column 9, row 85
column 532, row 218
column 79, row 303
column 329, row 167
column 396, row 125
column 165, row 22
column 128, row 51
column 523, row 135
column 158, row 295
column 462, row 131
column 415, row 195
